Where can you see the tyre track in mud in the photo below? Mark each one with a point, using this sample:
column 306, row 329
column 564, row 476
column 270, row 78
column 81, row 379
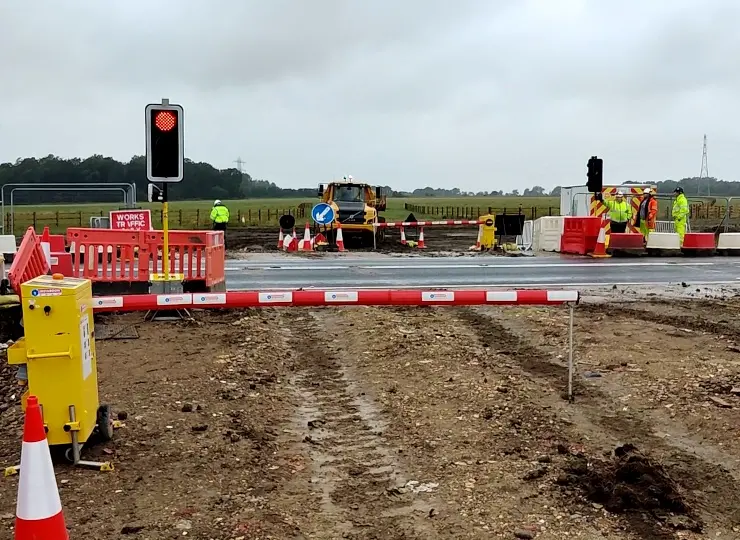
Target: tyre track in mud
column 355, row 471
column 695, row 322
column 599, row 413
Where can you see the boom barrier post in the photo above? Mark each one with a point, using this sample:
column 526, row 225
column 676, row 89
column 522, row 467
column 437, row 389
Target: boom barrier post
column 571, row 310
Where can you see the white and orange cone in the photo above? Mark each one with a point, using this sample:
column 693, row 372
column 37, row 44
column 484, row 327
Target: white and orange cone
column 38, row 511
column 403, row 236
column 600, row 249
column 280, row 239
column 305, row 243
column 293, row 245
column 46, row 244
column 421, row 244
column 340, row 238
column 477, row 246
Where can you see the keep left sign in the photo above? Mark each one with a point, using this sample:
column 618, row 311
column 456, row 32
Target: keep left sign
column 131, row 220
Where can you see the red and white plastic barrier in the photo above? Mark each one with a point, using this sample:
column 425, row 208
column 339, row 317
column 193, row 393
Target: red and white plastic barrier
column 379, row 297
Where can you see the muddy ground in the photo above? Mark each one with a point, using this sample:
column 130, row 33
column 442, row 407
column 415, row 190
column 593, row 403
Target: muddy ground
column 257, row 239
column 415, row 423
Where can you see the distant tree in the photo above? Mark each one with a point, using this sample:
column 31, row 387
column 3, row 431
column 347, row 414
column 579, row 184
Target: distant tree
column 536, row 191
column 555, row 191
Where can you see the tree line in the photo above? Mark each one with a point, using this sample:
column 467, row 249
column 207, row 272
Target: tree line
column 200, row 180
column 203, row 181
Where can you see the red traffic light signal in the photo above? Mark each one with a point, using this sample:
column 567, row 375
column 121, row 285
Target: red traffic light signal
column 165, row 120
column 164, row 142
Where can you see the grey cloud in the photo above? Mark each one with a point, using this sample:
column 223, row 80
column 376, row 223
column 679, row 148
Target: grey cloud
column 482, row 93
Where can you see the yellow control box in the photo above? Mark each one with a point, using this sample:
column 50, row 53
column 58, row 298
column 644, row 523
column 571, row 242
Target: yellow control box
column 488, row 232
column 59, row 353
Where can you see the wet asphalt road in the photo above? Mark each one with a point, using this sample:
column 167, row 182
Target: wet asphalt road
column 475, row 272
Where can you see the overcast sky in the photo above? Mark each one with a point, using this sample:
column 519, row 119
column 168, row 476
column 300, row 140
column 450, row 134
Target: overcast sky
column 479, row 94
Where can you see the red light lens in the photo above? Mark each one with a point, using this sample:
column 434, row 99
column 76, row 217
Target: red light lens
column 165, row 121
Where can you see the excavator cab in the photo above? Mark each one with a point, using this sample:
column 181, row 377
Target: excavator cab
column 356, row 205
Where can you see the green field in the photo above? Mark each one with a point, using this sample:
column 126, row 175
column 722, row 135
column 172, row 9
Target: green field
column 266, row 212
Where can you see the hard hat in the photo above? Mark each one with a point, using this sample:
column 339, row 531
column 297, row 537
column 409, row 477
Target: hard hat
column 216, row 202
column 678, row 189
column 648, row 191
column 620, row 193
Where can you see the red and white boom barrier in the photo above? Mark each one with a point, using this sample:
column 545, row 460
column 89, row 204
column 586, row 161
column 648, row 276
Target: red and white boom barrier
column 380, row 297
column 444, row 222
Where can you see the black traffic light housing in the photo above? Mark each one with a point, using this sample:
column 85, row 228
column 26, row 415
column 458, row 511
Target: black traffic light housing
column 164, row 142
column 595, row 174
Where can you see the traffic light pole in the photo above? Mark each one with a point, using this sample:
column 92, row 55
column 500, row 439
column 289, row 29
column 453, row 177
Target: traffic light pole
column 166, row 243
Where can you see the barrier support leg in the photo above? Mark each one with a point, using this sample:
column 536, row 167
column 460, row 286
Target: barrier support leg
column 570, row 353
column 73, row 453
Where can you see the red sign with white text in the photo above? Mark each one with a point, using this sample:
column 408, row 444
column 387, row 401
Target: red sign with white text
column 131, row 220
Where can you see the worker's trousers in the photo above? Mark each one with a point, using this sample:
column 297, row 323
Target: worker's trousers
column 644, row 229
column 220, row 227
column 617, row 227
column 680, row 225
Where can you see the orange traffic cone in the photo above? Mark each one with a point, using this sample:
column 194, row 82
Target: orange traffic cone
column 305, row 243
column 421, row 245
column 600, row 250
column 45, row 241
column 280, row 239
column 340, row 238
column 477, row 246
column 319, row 240
column 403, row 236
column 39, row 510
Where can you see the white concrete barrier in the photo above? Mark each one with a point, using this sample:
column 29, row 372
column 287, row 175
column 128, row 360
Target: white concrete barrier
column 661, row 240
column 547, row 233
column 7, row 244
column 729, row 241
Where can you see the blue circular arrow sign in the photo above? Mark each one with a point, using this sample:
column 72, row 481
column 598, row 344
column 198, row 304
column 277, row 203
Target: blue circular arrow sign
column 323, row 214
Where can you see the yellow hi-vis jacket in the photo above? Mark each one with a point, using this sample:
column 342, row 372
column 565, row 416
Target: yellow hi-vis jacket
column 220, row 214
column 619, row 211
column 680, row 208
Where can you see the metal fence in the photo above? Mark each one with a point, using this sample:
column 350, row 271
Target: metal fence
column 473, row 212
column 196, row 218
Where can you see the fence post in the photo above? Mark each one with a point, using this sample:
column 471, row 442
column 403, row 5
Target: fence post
column 34, row 221
column 180, row 216
column 79, row 217
column 250, row 216
column 56, row 215
column 197, row 218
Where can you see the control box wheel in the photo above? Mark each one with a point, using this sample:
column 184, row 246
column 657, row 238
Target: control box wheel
column 104, row 423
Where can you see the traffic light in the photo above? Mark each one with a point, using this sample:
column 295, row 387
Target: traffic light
column 154, row 194
column 164, row 142
column 595, row 174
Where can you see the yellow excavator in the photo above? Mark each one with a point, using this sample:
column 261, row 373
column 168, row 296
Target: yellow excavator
column 356, row 206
